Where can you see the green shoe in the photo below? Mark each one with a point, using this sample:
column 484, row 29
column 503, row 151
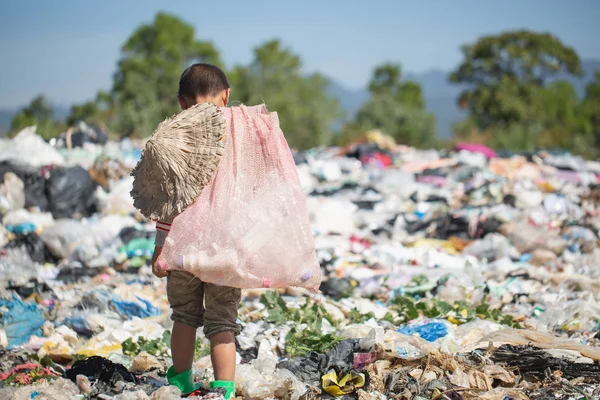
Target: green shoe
column 229, row 387
column 183, row 381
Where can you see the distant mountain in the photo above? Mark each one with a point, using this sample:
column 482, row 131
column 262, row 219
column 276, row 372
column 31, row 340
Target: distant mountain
column 350, row 100
column 440, row 99
column 441, row 95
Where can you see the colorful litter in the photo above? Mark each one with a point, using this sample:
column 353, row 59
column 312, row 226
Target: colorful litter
column 447, row 275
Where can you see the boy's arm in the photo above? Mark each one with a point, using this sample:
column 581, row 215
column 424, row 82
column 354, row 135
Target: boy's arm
column 162, row 230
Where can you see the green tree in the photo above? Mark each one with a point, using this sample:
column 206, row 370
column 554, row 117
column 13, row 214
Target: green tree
column 591, row 109
column 386, row 81
column 503, row 75
column 40, row 113
column 397, row 108
column 152, row 59
column 275, row 77
column 563, row 119
column 97, row 111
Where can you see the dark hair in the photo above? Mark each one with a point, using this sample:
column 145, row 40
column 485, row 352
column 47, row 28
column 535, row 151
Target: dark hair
column 202, row 80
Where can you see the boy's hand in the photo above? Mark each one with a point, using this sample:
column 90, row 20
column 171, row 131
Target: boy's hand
column 155, row 270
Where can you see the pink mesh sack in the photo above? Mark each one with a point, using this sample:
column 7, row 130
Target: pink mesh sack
column 249, row 227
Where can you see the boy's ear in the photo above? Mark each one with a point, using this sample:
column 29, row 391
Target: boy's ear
column 182, row 103
column 225, row 97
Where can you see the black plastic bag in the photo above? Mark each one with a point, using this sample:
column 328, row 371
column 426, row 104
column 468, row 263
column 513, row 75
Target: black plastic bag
column 88, row 134
column 336, row 288
column 100, row 369
column 313, row 366
column 34, row 181
column 33, row 245
column 70, row 192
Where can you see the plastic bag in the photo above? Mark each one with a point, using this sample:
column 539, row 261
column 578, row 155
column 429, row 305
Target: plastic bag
column 64, row 237
column 245, row 373
column 20, row 320
column 332, row 215
column 249, row 227
column 33, row 245
column 12, row 195
column 39, row 153
column 16, row 265
column 166, row 393
column 70, row 191
column 21, row 217
column 144, row 362
column 405, row 347
column 430, row 331
column 34, row 182
column 117, row 201
column 343, row 383
column 492, row 247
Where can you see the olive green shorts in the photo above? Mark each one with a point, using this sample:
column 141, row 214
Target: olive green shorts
column 196, row 303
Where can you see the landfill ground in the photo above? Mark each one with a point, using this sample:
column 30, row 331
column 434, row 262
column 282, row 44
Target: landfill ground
column 447, row 275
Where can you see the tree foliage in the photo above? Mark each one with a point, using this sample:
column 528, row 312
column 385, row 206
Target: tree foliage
column 275, row 77
column 144, row 91
column 152, row 60
column 40, row 113
column 516, row 102
column 97, row 111
column 397, row 108
column 503, row 75
column 591, row 109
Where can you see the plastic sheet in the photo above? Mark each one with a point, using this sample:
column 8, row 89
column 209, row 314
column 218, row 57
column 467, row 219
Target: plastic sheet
column 20, row 320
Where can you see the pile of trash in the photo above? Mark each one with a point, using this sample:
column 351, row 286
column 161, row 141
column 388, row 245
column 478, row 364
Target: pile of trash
column 448, row 275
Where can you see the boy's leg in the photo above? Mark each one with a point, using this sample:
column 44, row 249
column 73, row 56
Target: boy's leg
column 222, row 355
column 183, row 347
column 220, row 326
column 186, row 295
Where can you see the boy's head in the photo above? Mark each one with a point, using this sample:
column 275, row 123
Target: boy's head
column 203, row 83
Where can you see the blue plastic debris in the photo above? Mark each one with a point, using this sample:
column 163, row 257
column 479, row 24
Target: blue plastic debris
column 20, row 320
column 430, row 331
column 21, row 229
column 132, row 309
column 79, row 325
column 525, row 257
column 104, row 300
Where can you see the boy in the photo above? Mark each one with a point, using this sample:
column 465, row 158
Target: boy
column 195, row 303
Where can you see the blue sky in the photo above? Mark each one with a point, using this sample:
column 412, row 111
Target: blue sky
column 68, row 49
